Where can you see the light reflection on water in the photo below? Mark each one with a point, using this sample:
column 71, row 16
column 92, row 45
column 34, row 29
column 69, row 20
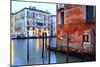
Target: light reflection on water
column 19, row 52
column 12, row 52
column 37, row 44
column 19, row 48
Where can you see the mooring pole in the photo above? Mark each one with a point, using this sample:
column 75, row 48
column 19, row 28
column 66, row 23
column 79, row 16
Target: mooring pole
column 28, row 45
column 43, row 45
column 67, row 47
column 49, row 50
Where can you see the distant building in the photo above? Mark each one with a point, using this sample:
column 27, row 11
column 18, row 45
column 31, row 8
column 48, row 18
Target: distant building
column 76, row 27
column 12, row 25
column 53, row 24
column 32, row 20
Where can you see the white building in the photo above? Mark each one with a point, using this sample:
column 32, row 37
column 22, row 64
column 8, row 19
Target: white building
column 36, row 20
column 12, row 24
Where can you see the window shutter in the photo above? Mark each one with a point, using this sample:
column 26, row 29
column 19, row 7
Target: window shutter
column 89, row 14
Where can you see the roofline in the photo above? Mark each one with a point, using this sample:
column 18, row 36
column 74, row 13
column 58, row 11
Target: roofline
column 53, row 15
column 31, row 9
column 12, row 13
column 19, row 11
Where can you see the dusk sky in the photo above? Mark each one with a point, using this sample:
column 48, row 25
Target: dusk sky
column 17, row 6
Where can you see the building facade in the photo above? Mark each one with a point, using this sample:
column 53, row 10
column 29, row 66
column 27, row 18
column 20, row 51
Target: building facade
column 31, row 20
column 12, row 27
column 76, row 28
column 53, row 25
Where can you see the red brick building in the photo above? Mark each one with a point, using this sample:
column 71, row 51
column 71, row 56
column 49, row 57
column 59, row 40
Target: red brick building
column 76, row 28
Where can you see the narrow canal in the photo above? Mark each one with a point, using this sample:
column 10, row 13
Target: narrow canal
column 19, row 52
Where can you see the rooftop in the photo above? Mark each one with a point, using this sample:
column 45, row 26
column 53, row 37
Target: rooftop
column 32, row 9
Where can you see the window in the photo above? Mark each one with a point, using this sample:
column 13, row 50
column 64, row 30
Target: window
column 19, row 24
column 36, row 14
column 33, row 22
column 85, row 38
column 22, row 16
column 33, row 15
column 89, row 14
column 40, row 24
column 30, row 14
column 27, row 13
column 45, row 18
column 44, row 24
column 48, row 18
column 62, row 18
column 27, row 23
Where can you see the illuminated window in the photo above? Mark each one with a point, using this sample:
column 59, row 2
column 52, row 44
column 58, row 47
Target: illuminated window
column 33, row 28
column 85, row 38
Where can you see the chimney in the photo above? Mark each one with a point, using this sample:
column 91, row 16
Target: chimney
column 30, row 7
column 46, row 10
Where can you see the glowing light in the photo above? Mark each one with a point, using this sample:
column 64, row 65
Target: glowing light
column 37, row 44
column 44, row 44
column 61, row 38
column 12, row 52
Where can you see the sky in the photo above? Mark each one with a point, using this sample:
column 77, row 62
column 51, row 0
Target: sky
column 18, row 5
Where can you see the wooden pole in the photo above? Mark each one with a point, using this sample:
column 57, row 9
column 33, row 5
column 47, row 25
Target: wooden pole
column 28, row 45
column 67, row 47
column 43, row 46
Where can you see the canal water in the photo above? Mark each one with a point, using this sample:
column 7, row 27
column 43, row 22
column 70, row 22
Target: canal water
column 19, row 52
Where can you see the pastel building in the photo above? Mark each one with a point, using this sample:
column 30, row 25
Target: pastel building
column 76, row 28
column 12, row 23
column 31, row 20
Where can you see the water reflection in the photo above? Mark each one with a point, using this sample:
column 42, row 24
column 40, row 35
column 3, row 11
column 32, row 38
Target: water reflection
column 37, row 44
column 19, row 52
column 12, row 52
